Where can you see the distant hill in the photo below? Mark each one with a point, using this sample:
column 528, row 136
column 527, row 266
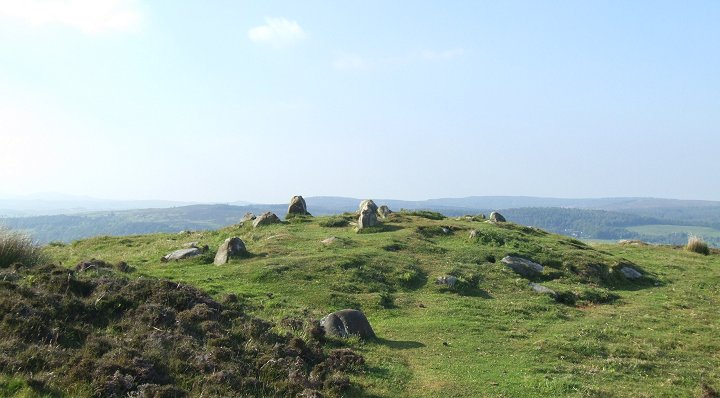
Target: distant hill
column 606, row 219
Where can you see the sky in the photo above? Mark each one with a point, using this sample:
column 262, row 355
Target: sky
column 261, row 100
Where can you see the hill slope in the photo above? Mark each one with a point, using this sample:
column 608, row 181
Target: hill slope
column 490, row 334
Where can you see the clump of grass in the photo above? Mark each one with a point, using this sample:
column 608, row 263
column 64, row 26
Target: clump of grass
column 16, row 247
column 430, row 215
column 697, row 245
column 333, row 222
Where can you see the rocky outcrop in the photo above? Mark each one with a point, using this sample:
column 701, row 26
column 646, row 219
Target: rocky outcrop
column 182, row 254
column 496, row 217
column 368, row 214
column 266, row 218
column 347, row 323
column 523, row 267
column 232, row 247
column 297, row 207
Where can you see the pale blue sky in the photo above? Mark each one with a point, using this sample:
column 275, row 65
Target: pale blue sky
column 231, row 100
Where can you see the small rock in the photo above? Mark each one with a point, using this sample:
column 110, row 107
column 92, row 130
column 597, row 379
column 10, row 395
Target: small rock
column 537, row 288
column 497, row 217
column 182, row 254
column 232, row 247
column 447, row 231
column 297, row 206
column 523, row 266
column 447, row 280
column 190, row 245
column 631, row 273
column 474, row 234
column 248, row 217
column 348, row 322
column 266, row 218
column 329, row 241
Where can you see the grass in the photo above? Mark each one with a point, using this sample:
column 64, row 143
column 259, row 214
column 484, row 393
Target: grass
column 696, row 245
column 493, row 336
column 16, row 247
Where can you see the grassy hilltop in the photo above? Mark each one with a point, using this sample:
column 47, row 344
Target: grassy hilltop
column 489, row 335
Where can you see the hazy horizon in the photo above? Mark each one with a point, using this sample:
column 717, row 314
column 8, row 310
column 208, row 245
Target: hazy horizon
column 140, row 100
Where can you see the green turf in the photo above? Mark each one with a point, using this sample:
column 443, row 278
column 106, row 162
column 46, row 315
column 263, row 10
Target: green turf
column 494, row 337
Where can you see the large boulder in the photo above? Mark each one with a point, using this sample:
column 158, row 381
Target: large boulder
column 266, row 218
column 347, row 323
column 368, row 215
column 496, row 217
column 232, row 247
column 522, row 266
column 384, row 211
column 182, row 254
column 297, row 206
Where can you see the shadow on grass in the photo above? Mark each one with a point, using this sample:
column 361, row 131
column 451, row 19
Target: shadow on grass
column 399, row 344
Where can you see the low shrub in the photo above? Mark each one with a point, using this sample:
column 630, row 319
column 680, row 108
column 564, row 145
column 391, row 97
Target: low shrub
column 430, row 215
column 333, row 222
column 697, row 245
column 16, row 247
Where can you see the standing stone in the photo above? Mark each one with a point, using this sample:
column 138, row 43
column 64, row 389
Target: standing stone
column 346, row 323
column 497, row 217
column 232, row 247
column 297, row 206
column 368, row 202
column 266, row 218
column 384, row 211
column 368, row 215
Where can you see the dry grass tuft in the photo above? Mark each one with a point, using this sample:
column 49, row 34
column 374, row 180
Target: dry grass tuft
column 697, row 245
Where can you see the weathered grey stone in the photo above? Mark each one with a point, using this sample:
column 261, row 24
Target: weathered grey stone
column 447, row 280
column 329, row 241
column 384, row 211
column 447, row 231
column 523, row 266
column 368, row 215
column 537, row 288
column 266, row 218
column 631, row 273
column 182, row 254
column 346, row 323
column 496, row 217
column 190, row 244
column 232, row 247
column 368, row 202
column 474, row 234
column 248, row 217
column 297, row 206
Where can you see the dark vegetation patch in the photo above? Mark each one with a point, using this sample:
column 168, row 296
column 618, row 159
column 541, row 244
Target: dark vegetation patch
column 584, row 297
column 149, row 337
column 430, row 215
column 334, row 222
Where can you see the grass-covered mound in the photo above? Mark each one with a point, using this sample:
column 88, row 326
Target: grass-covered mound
column 603, row 334
column 62, row 333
